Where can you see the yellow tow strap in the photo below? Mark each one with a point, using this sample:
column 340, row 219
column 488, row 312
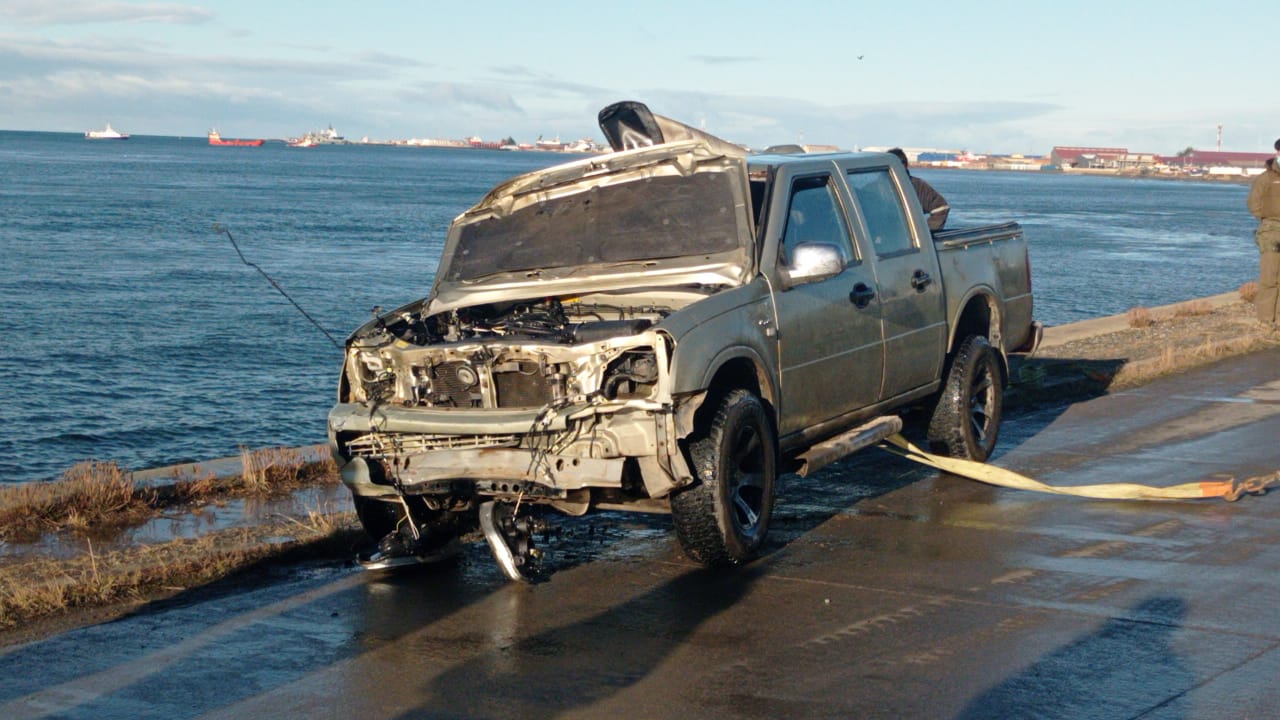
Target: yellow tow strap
column 1228, row 489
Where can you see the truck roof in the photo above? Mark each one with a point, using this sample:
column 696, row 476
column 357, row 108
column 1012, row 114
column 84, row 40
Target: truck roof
column 777, row 159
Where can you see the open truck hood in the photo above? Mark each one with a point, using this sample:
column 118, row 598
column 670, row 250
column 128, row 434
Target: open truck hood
column 672, row 207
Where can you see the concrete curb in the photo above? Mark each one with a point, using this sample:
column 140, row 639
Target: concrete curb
column 220, row 468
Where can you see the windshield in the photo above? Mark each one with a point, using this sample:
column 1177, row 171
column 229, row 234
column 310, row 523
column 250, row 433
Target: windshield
column 645, row 219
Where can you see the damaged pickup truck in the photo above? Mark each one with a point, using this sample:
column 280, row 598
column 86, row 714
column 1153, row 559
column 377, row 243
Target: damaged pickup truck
column 667, row 328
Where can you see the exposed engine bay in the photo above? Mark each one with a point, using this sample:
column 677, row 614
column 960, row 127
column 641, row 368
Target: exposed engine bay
column 535, row 402
column 502, row 355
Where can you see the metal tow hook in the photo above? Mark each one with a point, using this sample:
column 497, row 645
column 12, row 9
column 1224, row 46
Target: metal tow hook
column 1256, row 485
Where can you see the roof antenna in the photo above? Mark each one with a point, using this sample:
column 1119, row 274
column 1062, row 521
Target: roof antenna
column 220, row 228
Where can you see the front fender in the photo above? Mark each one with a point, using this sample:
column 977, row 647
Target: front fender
column 731, row 338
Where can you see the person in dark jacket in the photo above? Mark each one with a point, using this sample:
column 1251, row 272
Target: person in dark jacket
column 1264, row 203
column 935, row 206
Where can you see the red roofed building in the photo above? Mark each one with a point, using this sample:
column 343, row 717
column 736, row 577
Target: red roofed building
column 1218, row 158
column 1120, row 160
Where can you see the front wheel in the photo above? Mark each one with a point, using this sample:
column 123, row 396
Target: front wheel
column 724, row 517
column 396, row 541
column 966, row 420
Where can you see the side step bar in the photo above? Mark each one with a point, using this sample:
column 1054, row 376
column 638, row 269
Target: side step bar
column 829, row 451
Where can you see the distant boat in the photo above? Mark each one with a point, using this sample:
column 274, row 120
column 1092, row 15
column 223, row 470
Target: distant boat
column 216, row 139
column 109, row 134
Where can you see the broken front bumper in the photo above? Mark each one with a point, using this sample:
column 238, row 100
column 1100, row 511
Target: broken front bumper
column 538, row 453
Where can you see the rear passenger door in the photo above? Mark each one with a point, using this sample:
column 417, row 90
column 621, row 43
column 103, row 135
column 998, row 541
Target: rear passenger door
column 907, row 279
column 830, row 351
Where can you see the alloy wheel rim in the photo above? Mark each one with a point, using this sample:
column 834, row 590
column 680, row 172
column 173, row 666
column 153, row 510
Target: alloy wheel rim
column 746, row 491
column 981, row 400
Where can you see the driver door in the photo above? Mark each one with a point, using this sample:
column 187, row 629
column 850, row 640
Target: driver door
column 830, row 347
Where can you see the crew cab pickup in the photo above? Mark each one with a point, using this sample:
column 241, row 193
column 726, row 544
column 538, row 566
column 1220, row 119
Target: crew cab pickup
column 667, row 328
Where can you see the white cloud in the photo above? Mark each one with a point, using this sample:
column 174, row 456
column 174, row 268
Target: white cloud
column 453, row 94
column 83, row 12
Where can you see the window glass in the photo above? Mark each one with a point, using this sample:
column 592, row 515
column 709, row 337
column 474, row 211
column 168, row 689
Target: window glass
column 680, row 216
column 814, row 216
column 883, row 210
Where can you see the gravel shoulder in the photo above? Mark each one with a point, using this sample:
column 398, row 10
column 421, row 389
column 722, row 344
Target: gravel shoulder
column 1106, row 354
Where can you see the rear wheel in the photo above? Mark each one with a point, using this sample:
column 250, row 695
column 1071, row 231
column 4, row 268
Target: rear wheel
column 966, row 420
column 724, row 517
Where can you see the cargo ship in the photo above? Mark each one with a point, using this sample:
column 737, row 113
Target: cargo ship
column 216, row 139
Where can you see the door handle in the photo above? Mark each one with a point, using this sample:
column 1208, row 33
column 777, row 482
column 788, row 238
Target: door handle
column 861, row 296
column 920, row 280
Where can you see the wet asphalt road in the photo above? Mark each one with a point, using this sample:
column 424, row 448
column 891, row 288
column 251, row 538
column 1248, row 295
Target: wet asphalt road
column 887, row 591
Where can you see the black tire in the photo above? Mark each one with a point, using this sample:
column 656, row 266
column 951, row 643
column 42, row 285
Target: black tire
column 966, row 419
column 723, row 518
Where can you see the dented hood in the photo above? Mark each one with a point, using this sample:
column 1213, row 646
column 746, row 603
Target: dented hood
column 674, row 212
column 630, row 124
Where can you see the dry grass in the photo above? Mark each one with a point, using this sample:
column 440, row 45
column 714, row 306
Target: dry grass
column 1140, row 317
column 99, row 495
column 47, row 587
column 193, row 487
column 270, row 470
column 93, row 494
column 1249, row 291
column 90, row 494
column 1193, row 308
column 1176, row 359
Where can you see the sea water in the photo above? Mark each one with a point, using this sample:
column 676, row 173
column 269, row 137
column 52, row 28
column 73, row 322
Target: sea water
column 133, row 332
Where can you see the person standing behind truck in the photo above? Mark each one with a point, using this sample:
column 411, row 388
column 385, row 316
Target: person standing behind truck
column 935, row 206
column 1264, row 203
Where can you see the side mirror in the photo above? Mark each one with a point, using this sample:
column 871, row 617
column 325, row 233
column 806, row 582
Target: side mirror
column 813, row 262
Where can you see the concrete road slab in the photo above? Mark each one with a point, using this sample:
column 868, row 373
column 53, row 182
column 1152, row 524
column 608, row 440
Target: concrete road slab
column 887, row 591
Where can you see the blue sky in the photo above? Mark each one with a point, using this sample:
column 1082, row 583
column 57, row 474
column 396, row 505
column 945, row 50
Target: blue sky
column 991, row 77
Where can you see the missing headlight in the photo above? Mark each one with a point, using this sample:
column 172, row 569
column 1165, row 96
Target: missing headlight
column 631, row 375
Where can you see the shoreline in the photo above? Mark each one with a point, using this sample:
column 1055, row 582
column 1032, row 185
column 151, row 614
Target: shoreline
column 456, row 144
column 1102, row 173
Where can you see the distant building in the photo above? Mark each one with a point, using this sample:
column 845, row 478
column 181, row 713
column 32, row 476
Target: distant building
column 1087, row 158
column 1137, row 161
column 1017, row 161
column 935, row 156
column 924, row 156
column 1203, row 159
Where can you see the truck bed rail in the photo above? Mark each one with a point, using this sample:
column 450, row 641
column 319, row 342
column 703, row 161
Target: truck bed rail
column 963, row 237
